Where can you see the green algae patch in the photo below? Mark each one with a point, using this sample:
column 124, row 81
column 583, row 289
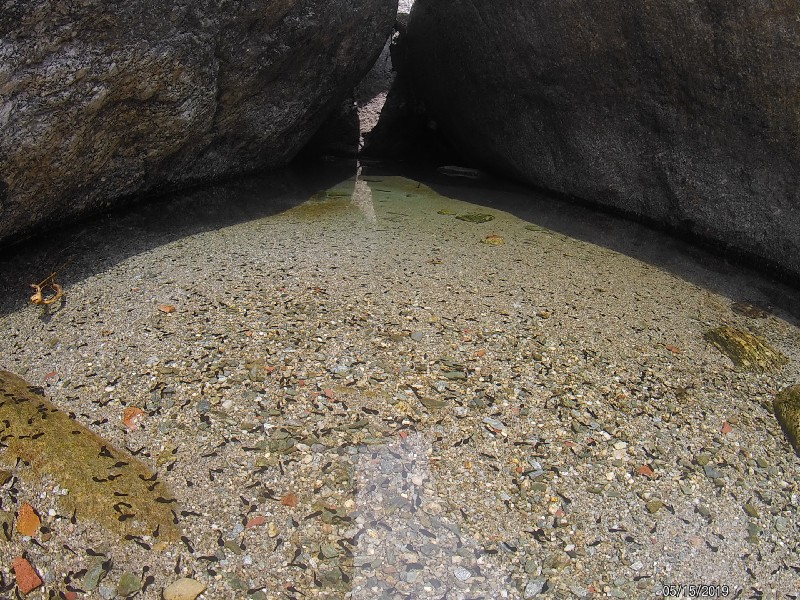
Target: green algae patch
column 747, row 351
column 476, row 218
column 105, row 485
column 787, row 411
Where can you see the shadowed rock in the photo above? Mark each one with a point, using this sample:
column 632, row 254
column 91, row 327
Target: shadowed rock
column 101, row 101
column 681, row 113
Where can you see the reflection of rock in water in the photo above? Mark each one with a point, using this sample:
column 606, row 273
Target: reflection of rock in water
column 408, row 545
column 105, row 484
column 362, row 198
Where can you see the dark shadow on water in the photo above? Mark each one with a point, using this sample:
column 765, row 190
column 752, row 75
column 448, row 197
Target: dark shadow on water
column 717, row 273
column 94, row 245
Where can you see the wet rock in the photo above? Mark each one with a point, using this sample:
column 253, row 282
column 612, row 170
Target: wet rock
column 534, row 588
column 456, row 171
column 749, row 310
column 27, row 577
column 432, row 403
column 460, row 375
column 787, row 411
column 712, row 472
column 751, row 510
column 94, row 575
column 476, row 218
column 28, row 520
column 329, row 551
column 141, row 97
column 129, row 584
column 493, row 240
column 184, row 589
column 747, row 351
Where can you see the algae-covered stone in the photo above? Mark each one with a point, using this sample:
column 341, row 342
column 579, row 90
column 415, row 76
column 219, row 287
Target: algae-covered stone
column 105, row 484
column 129, row 584
column 747, row 351
column 751, row 510
column 476, row 217
column 432, row 403
column 787, row 411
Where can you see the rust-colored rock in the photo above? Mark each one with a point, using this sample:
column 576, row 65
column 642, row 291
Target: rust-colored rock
column 27, row 577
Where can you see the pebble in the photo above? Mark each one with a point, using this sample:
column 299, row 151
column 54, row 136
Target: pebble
column 534, row 588
column 94, row 575
column 461, row 573
column 329, row 551
column 107, row 591
column 129, row 584
column 653, row 506
column 184, row 589
column 751, row 510
column 781, row 524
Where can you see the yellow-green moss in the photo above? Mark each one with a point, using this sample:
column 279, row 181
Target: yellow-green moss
column 747, row 351
column 787, row 412
column 105, row 484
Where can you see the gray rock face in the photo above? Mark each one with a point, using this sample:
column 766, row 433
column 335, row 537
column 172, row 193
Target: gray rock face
column 684, row 113
column 105, row 100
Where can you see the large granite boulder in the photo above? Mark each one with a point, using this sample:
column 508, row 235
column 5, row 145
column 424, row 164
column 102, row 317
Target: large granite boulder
column 103, row 100
column 683, row 113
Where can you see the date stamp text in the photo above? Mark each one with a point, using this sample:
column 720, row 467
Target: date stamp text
column 695, row 590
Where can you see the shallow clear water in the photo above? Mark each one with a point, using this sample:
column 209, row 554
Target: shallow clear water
column 452, row 339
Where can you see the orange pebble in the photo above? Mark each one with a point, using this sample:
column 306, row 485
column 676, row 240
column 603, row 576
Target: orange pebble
column 27, row 520
column 255, row 522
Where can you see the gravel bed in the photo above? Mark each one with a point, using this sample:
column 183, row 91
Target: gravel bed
column 363, row 396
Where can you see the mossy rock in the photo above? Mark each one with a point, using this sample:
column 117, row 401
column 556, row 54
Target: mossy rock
column 476, row 217
column 105, row 484
column 787, row 411
column 747, row 351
